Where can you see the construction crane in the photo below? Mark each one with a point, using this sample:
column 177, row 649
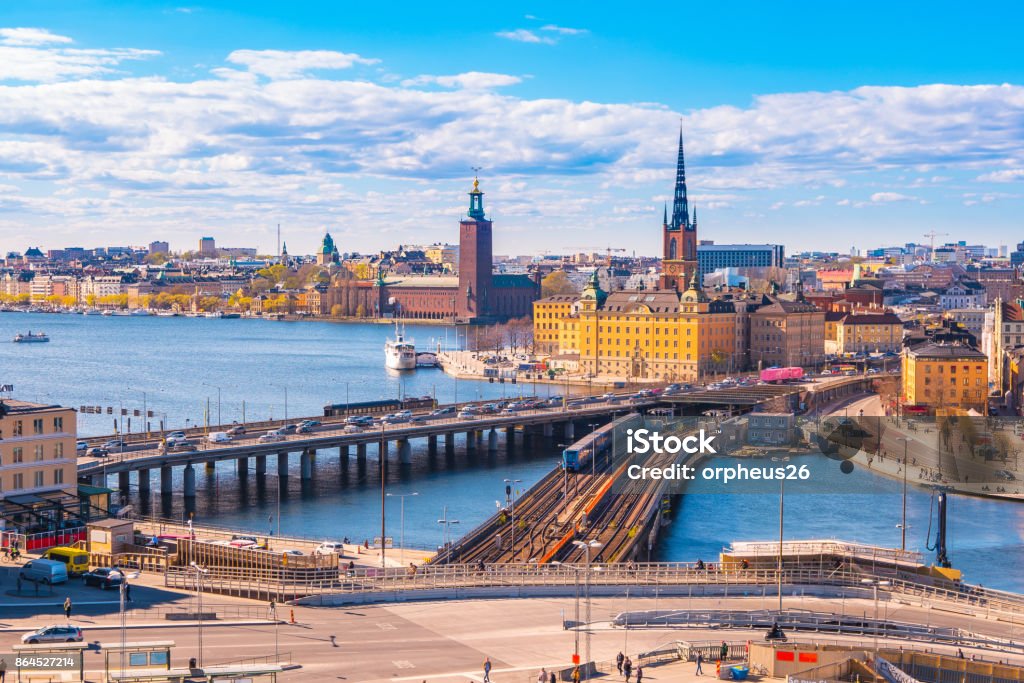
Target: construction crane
column 933, row 235
column 607, row 249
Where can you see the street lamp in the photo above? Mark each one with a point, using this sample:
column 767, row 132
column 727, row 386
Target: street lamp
column 782, row 508
column 586, row 545
column 199, row 605
column 214, row 386
column 447, row 524
column 903, row 525
column 510, row 498
column 124, row 617
column 401, row 536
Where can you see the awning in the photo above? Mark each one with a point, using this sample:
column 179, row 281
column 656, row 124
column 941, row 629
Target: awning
column 89, row 490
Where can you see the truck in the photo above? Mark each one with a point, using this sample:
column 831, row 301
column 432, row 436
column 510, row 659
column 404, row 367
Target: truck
column 781, row 374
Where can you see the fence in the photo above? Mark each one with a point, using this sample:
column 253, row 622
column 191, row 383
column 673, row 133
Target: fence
column 43, row 540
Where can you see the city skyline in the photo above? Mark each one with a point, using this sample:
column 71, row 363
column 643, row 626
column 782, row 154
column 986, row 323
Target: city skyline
column 116, row 134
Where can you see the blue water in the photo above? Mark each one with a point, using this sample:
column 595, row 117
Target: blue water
column 178, row 362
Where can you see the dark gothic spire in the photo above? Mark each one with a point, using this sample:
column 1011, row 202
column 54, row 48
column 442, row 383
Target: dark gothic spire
column 665, row 219
column 680, row 209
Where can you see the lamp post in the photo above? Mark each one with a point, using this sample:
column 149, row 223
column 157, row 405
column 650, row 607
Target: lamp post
column 214, row 386
column 199, row 605
column 446, row 526
column 510, row 498
column 782, row 508
column 401, row 536
column 124, row 618
column 903, row 525
column 383, row 483
column 587, row 545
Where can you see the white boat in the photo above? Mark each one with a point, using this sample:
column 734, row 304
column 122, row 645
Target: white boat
column 140, row 311
column 167, row 314
column 214, row 314
column 92, row 311
column 30, row 338
column 399, row 354
column 107, row 312
column 426, row 360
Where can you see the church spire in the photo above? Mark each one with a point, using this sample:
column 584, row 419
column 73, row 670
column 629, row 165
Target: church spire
column 664, row 221
column 680, row 209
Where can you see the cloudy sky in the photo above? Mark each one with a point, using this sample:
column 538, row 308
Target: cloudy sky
column 866, row 125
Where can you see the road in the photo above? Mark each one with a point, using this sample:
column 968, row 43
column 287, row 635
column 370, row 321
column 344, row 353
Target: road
column 448, row 641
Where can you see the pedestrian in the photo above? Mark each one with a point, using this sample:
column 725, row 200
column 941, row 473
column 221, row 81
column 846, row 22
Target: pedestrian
column 724, row 652
column 3, row 669
column 619, row 658
column 542, row 677
column 67, row 607
column 959, row 653
column 639, row 673
column 576, row 674
column 627, row 668
column 553, row 678
column 272, row 610
column 487, row 670
column 700, row 660
column 127, row 592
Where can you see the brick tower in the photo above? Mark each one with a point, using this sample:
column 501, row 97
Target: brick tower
column 679, row 255
column 475, row 259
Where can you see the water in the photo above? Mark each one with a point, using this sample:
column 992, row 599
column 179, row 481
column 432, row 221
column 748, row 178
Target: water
column 178, row 362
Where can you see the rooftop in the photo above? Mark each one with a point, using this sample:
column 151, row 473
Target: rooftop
column 951, row 351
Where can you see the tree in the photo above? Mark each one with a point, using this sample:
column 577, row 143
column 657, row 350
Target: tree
column 156, row 259
column 337, row 311
column 557, row 282
column 360, row 311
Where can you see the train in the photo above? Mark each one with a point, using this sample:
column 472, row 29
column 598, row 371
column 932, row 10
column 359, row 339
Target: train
column 577, row 456
column 379, row 407
column 781, row 374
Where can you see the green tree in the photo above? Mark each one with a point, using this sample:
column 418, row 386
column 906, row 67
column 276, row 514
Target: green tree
column 557, row 282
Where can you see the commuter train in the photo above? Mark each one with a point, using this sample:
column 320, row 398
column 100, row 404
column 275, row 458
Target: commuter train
column 577, row 456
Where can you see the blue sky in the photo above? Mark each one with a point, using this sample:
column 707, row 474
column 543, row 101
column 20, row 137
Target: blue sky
column 819, row 125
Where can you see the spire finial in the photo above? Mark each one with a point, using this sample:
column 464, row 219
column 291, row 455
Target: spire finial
column 680, row 209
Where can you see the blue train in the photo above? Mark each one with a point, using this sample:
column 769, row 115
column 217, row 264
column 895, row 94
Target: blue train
column 577, row 456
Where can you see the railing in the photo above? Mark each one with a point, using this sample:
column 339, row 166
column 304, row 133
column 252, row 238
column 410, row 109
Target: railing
column 187, row 607
column 43, row 540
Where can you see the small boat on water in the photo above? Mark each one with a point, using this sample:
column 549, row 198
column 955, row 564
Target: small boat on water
column 92, row 311
column 214, row 314
column 30, row 338
column 167, row 314
column 140, row 311
column 230, row 316
column 107, row 312
column 399, row 354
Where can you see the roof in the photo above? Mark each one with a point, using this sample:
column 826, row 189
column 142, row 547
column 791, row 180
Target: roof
column 775, row 305
column 15, row 406
column 558, row 299
column 629, row 301
column 946, row 351
column 1012, row 312
column 505, row 281
column 872, row 319
column 434, row 282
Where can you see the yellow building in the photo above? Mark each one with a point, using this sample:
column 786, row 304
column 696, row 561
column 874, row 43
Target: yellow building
column 37, row 464
column 869, row 333
column 642, row 334
column 548, row 314
column 942, row 375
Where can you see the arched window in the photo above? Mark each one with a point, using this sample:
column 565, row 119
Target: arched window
column 671, row 249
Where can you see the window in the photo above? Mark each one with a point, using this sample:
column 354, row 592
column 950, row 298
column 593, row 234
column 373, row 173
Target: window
column 38, row 479
column 16, row 455
column 38, row 452
column 58, row 476
column 58, row 424
column 17, row 428
column 37, row 426
column 58, row 451
column 19, row 481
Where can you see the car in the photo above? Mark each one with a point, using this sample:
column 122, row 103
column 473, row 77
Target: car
column 291, row 551
column 447, row 410
column 420, row 419
column 287, row 429
column 467, row 415
column 607, row 397
column 353, row 419
column 114, row 444
column 271, row 437
column 54, row 634
column 303, row 429
column 218, row 437
column 328, row 547
column 352, row 429
column 103, row 577
column 404, row 413
column 395, row 418
column 82, row 446
column 311, row 423
column 97, row 452
column 236, row 430
column 176, row 435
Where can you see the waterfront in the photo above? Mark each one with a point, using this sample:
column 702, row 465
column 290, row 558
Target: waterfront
column 179, row 362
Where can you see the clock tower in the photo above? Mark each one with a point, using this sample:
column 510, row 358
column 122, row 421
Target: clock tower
column 679, row 254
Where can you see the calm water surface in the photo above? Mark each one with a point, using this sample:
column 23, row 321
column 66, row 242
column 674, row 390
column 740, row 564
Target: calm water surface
column 180, row 362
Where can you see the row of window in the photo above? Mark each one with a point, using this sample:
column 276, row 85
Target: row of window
column 38, row 453
column 939, row 394
column 38, row 425
column 952, row 381
column 38, row 479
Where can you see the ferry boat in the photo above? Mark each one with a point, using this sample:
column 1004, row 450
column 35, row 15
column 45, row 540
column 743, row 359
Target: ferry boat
column 399, row 354
column 30, row 337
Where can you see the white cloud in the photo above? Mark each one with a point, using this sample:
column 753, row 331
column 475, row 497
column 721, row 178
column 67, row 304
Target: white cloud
column 522, row 35
column 564, row 30
column 47, row 65
column 888, row 197
column 1005, row 176
column 30, row 37
column 471, row 80
column 283, row 64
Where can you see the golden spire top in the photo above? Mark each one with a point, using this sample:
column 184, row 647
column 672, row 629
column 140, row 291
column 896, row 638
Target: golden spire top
column 476, row 185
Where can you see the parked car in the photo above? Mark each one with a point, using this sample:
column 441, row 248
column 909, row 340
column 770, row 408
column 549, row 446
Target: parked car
column 82, row 446
column 49, row 572
column 54, row 634
column 271, row 437
column 103, row 577
column 328, row 547
column 97, row 452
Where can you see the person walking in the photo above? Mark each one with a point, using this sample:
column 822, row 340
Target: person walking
column 627, row 668
column 3, row 670
column 487, row 670
column 723, row 653
column 700, row 660
column 127, row 592
column 542, row 677
column 619, row 658
column 553, row 678
column 67, row 607
column 639, row 673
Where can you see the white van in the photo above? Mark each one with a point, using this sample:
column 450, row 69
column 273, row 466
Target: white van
column 44, row 571
column 218, row 437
